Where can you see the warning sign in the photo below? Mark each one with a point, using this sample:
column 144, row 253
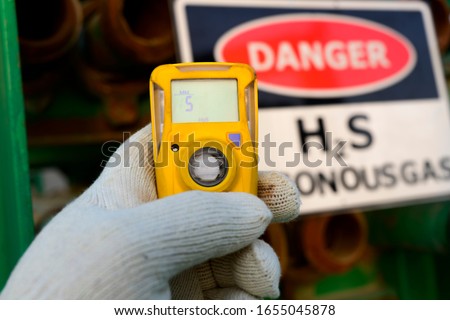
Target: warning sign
column 353, row 103
column 300, row 60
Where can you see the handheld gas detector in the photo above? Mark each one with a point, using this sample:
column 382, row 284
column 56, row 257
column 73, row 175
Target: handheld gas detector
column 205, row 127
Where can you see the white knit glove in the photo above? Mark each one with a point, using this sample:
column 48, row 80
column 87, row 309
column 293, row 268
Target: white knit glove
column 116, row 241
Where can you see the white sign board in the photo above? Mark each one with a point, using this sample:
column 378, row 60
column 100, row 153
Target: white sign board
column 353, row 103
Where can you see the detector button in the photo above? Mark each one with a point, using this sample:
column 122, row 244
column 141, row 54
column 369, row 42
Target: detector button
column 235, row 138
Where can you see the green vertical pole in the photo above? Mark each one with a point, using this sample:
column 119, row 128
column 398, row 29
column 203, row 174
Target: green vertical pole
column 16, row 224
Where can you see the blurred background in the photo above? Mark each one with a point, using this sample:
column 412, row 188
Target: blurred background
column 74, row 82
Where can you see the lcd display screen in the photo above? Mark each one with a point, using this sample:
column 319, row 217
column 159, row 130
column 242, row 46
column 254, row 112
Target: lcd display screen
column 204, row 100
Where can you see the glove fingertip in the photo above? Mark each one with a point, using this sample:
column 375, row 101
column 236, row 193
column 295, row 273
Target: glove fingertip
column 280, row 194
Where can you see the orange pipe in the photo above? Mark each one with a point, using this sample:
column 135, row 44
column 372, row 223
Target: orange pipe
column 129, row 33
column 124, row 41
column 140, row 29
column 275, row 235
column 333, row 243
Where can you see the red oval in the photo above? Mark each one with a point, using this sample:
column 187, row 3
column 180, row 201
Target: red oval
column 319, row 55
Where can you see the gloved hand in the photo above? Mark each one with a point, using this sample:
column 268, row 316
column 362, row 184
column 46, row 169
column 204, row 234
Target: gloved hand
column 117, row 241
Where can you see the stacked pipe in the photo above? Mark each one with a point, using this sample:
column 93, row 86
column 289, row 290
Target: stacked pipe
column 317, row 246
column 124, row 40
column 47, row 33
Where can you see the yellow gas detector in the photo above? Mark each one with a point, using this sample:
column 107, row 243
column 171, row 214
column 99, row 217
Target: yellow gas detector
column 205, row 127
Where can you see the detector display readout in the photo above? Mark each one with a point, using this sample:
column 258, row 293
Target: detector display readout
column 204, row 100
column 204, row 127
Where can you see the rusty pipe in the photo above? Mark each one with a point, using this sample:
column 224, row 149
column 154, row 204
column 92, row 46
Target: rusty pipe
column 124, row 40
column 276, row 236
column 140, row 29
column 47, row 32
column 333, row 243
column 129, row 33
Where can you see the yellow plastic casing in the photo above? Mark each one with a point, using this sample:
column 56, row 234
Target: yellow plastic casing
column 171, row 167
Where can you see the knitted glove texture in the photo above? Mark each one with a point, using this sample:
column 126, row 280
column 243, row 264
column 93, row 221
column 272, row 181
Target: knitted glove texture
column 118, row 241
